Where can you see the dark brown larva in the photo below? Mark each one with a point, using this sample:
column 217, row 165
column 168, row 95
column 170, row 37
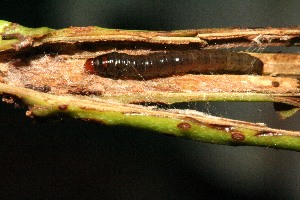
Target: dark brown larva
column 162, row 64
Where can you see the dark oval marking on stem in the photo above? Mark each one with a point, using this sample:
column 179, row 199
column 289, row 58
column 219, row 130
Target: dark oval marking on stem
column 184, row 126
column 163, row 64
column 237, row 136
column 63, row 107
column 275, row 84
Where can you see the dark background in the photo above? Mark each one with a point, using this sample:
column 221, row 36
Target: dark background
column 53, row 159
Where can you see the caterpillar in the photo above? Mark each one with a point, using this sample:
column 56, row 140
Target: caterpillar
column 163, row 64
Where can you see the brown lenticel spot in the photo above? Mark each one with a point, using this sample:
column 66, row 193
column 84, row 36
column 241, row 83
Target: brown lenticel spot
column 184, row 126
column 62, row 107
column 237, row 136
column 275, row 84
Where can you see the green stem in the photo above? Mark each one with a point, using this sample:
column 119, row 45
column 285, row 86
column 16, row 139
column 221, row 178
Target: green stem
column 189, row 124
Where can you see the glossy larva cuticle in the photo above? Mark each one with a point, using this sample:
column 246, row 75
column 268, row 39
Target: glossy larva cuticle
column 163, row 64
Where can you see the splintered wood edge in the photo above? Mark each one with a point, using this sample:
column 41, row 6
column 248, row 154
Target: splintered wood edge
column 259, row 36
column 19, row 37
column 280, row 64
